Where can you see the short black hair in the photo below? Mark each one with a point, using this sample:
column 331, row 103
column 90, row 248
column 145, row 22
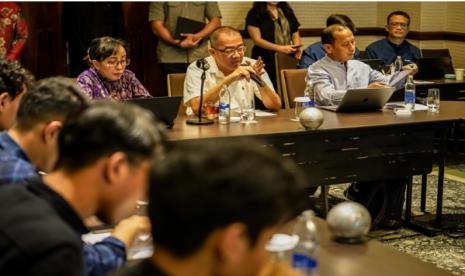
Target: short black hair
column 340, row 19
column 327, row 35
column 401, row 13
column 56, row 98
column 107, row 127
column 13, row 76
column 206, row 185
column 103, row 47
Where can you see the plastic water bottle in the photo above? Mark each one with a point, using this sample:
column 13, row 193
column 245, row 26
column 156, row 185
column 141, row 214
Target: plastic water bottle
column 304, row 255
column 398, row 64
column 309, row 101
column 224, row 107
column 409, row 97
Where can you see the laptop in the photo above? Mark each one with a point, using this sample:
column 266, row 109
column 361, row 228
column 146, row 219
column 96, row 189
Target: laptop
column 362, row 99
column 165, row 109
column 376, row 64
column 434, row 68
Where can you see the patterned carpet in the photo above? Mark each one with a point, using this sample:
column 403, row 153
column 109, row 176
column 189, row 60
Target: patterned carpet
column 446, row 250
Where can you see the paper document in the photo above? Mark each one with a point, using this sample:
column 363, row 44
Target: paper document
column 422, row 82
column 398, row 77
column 261, row 113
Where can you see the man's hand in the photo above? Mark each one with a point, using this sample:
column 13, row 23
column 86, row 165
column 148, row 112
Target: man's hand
column 298, row 54
column 190, row 41
column 412, row 67
column 127, row 229
column 377, row 84
column 258, row 66
column 242, row 72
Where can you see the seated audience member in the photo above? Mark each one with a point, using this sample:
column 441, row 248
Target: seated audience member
column 329, row 78
column 103, row 165
column 31, row 145
column 229, row 68
column 14, row 82
column 274, row 28
column 107, row 76
column 394, row 44
column 212, row 213
column 316, row 51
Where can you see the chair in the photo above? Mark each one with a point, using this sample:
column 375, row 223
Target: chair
column 283, row 61
column 293, row 83
column 175, row 84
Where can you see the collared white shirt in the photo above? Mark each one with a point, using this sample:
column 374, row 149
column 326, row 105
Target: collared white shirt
column 238, row 89
column 328, row 80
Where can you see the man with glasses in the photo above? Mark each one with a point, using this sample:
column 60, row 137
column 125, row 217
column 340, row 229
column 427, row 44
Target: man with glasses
column 229, row 69
column 394, row 44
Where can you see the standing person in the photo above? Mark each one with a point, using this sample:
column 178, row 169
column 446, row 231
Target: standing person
column 84, row 21
column 107, row 76
column 174, row 55
column 316, row 51
column 273, row 27
column 104, row 157
column 13, row 31
column 14, row 82
column 387, row 49
column 229, row 68
column 212, row 214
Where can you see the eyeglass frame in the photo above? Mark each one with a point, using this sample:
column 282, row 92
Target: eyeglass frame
column 404, row 26
column 234, row 50
column 109, row 64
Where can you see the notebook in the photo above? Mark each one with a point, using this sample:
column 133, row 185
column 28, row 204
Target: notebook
column 434, row 68
column 164, row 108
column 362, row 99
column 187, row 26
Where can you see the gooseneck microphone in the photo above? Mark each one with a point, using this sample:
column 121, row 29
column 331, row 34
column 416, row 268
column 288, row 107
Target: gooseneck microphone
column 202, row 64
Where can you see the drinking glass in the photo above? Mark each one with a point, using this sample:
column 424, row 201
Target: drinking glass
column 433, row 99
column 248, row 108
column 298, row 107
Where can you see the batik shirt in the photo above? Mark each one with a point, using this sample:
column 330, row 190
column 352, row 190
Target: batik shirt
column 13, row 31
column 97, row 87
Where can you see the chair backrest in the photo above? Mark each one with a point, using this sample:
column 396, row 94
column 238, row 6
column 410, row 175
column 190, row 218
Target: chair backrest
column 176, row 87
column 293, row 83
column 283, row 61
column 430, row 53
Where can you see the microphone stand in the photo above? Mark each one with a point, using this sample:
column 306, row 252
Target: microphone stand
column 199, row 120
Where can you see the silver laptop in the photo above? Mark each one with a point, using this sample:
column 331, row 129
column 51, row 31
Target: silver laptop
column 362, row 99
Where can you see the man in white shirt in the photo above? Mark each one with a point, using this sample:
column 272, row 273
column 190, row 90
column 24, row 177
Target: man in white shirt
column 228, row 69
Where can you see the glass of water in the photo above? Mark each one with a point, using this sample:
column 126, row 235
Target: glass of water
column 248, row 108
column 433, row 99
column 298, row 107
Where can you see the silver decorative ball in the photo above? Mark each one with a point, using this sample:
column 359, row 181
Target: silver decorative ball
column 349, row 222
column 311, row 118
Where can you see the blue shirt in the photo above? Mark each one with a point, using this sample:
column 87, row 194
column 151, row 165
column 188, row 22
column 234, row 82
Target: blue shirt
column 16, row 168
column 328, row 80
column 315, row 52
column 388, row 51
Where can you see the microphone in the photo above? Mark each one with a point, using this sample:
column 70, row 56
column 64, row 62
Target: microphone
column 202, row 64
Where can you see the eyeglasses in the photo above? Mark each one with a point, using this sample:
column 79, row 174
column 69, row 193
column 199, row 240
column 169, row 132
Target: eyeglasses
column 114, row 63
column 231, row 51
column 398, row 24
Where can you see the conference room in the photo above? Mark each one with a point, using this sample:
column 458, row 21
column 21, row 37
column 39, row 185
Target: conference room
column 359, row 104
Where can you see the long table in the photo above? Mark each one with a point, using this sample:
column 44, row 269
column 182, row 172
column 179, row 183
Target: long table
column 370, row 258
column 348, row 146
